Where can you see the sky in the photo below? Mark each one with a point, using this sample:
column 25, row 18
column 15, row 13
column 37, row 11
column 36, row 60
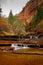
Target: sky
column 15, row 5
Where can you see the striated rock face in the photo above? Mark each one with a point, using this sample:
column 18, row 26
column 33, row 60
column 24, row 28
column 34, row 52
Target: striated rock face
column 29, row 10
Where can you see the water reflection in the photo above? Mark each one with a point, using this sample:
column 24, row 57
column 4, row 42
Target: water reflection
column 5, row 51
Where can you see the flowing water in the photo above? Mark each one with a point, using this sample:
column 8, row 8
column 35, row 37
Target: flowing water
column 17, row 47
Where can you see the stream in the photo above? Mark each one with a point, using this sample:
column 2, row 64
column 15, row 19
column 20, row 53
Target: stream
column 20, row 46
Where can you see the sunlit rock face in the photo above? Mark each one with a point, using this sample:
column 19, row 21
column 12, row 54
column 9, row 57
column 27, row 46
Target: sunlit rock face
column 29, row 10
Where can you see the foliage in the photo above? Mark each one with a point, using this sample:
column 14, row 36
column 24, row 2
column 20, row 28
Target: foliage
column 26, row 26
column 31, row 0
column 11, row 18
column 40, row 12
column 17, row 26
column 0, row 12
column 37, row 17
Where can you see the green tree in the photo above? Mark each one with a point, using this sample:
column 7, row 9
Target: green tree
column 40, row 12
column 18, row 27
column 37, row 17
column 11, row 18
column 0, row 12
column 26, row 25
column 31, row 0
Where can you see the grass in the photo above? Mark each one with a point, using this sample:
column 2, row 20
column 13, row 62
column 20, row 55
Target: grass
column 20, row 59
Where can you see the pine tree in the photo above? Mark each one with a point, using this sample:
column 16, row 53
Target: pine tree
column 0, row 11
column 11, row 18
